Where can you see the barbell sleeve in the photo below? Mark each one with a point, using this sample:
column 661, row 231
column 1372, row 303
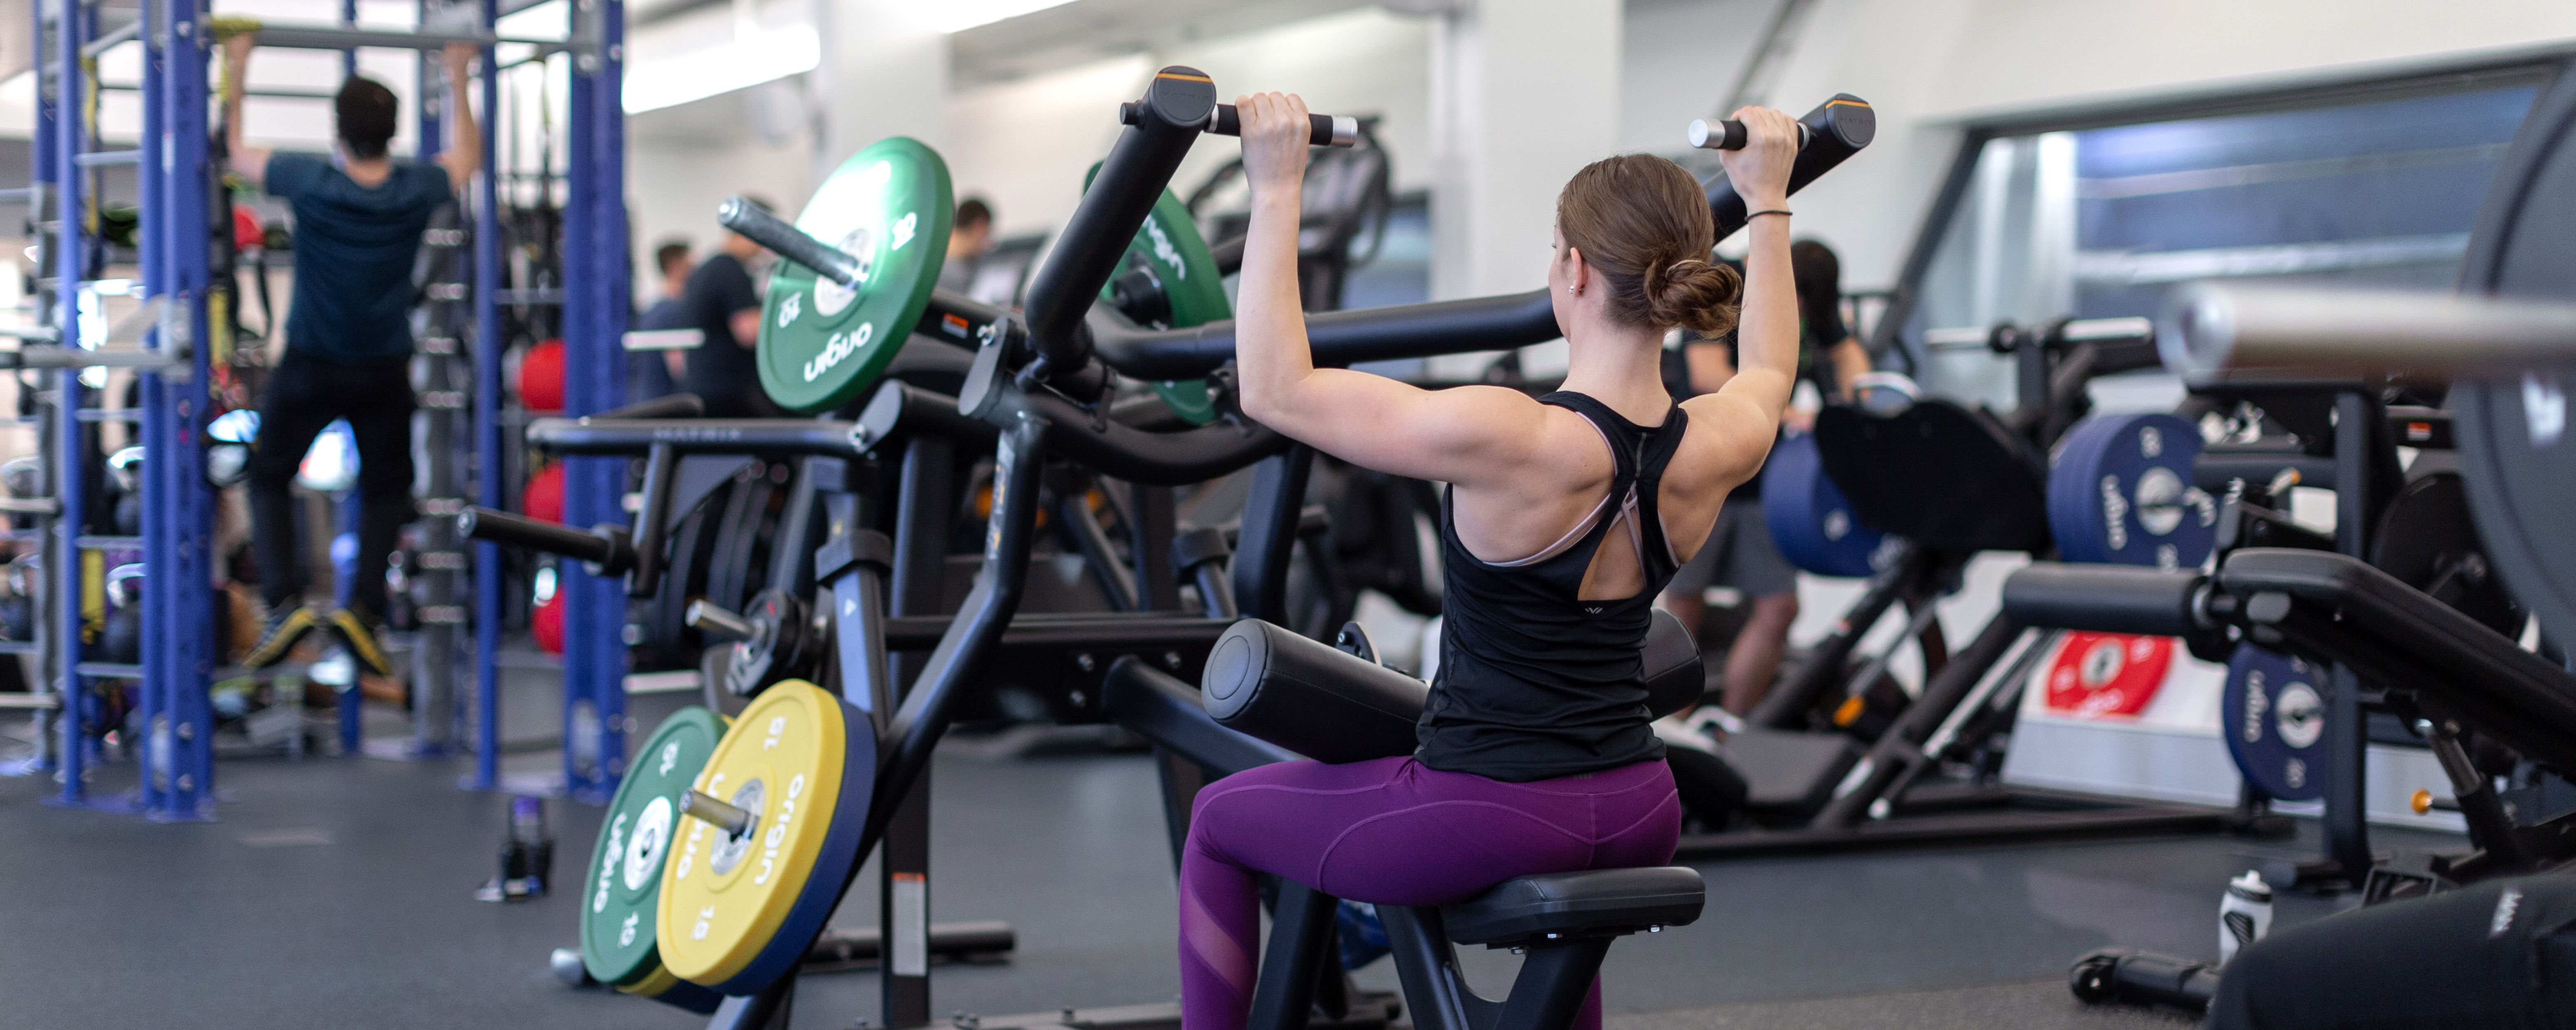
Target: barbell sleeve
column 2213, row 328
column 742, row 216
column 707, row 618
column 735, row 822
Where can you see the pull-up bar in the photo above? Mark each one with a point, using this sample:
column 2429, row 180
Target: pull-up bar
column 344, row 36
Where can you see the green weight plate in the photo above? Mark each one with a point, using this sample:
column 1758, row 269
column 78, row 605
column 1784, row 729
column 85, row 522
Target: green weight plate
column 823, row 345
column 623, row 890
column 1169, row 250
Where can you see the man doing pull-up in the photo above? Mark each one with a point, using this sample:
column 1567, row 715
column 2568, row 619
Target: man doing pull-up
column 359, row 216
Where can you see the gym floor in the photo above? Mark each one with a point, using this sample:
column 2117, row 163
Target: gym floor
column 337, row 892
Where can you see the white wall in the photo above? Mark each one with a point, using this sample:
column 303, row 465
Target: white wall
column 1680, row 58
column 674, row 184
column 1024, row 145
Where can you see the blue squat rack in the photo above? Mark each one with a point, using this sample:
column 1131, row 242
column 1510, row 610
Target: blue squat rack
column 179, row 195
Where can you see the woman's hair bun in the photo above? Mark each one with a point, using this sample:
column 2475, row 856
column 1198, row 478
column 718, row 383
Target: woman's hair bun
column 1693, row 293
column 1643, row 224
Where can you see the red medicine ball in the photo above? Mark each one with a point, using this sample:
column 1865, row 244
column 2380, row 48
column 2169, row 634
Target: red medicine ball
column 541, row 377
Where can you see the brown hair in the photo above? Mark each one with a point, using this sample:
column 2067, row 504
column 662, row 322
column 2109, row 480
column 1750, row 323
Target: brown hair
column 1643, row 224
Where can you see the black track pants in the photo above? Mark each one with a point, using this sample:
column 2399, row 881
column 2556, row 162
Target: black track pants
column 305, row 395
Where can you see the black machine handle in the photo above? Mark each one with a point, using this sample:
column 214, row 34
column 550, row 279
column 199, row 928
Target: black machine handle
column 1728, row 134
column 1125, row 452
column 1339, row 337
column 768, row 436
column 1832, row 133
column 1178, row 105
column 742, row 216
column 2106, row 598
column 604, row 549
column 1328, row 130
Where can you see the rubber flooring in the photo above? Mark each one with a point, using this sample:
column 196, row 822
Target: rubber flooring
column 336, row 892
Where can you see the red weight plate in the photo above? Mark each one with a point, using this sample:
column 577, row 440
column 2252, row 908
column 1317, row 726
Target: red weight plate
column 2107, row 675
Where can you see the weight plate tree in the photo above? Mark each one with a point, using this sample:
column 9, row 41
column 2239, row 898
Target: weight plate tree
column 621, row 899
column 1184, row 289
column 821, row 344
column 738, row 908
column 1809, row 516
column 2516, row 451
column 2273, row 714
column 2120, row 491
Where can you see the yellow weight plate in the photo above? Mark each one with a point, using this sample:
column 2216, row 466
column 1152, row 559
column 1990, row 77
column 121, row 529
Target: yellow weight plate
column 738, row 910
column 661, row 986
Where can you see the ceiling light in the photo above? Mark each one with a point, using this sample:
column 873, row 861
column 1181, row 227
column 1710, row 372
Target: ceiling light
column 771, row 55
column 960, row 15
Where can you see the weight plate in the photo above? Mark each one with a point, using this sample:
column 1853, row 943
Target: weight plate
column 2516, row 450
column 2122, row 493
column 1169, row 280
column 821, row 344
column 2429, row 541
column 2107, row 675
column 1809, row 518
column 739, row 912
column 623, row 891
column 671, row 990
column 2273, row 714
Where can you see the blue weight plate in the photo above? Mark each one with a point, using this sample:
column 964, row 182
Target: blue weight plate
column 2067, row 507
column 1808, row 517
column 2273, row 714
column 2122, row 493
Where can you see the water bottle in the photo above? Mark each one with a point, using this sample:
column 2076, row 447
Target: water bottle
column 2245, row 915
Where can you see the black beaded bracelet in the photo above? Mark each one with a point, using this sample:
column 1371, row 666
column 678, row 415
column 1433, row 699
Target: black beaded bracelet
column 1773, row 211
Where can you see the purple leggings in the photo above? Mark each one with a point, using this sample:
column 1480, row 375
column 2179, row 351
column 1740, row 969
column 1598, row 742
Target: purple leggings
column 1391, row 832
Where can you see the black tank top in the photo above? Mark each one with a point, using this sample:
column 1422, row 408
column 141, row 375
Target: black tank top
column 1534, row 683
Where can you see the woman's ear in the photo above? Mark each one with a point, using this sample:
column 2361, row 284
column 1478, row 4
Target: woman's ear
column 1578, row 276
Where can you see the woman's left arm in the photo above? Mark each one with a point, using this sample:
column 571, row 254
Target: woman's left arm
column 1469, row 435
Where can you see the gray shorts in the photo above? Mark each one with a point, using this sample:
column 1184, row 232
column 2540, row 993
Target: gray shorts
column 1739, row 554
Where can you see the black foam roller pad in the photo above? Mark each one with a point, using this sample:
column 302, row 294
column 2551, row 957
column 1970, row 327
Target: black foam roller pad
column 1306, row 696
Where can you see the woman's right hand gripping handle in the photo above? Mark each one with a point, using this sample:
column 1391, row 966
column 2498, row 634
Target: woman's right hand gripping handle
column 1751, row 402
column 1760, row 168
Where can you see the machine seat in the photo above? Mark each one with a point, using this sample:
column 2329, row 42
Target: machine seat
column 1594, row 903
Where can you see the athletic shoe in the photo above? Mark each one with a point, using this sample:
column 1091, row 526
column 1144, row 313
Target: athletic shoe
column 285, row 628
column 358, row 632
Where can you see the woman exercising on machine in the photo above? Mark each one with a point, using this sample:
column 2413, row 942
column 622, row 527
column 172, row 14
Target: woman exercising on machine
column 1560, row 527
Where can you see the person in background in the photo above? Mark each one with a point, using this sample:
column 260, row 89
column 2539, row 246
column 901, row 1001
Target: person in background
column 358, row 225
column 721, row 301
column 970, row 235
column 651, row 374
column 1740, row 552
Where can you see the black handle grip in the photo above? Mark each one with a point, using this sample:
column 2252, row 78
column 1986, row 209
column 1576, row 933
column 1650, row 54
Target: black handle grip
column 1327, row 130
column 1728, row 134
column 520, row 531
column 1828, row 135
column 2104, row 598
column 742, row 216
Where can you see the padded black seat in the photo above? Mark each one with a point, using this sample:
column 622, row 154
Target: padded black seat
column 1946, row 477
column 1595, row 903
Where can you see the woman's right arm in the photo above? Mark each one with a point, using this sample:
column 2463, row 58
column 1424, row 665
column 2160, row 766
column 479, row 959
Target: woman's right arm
column 1746, row 411
column 1472, row 436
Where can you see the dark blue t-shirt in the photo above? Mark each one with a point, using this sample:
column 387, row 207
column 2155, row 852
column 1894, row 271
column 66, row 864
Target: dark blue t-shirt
column 354, row 248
